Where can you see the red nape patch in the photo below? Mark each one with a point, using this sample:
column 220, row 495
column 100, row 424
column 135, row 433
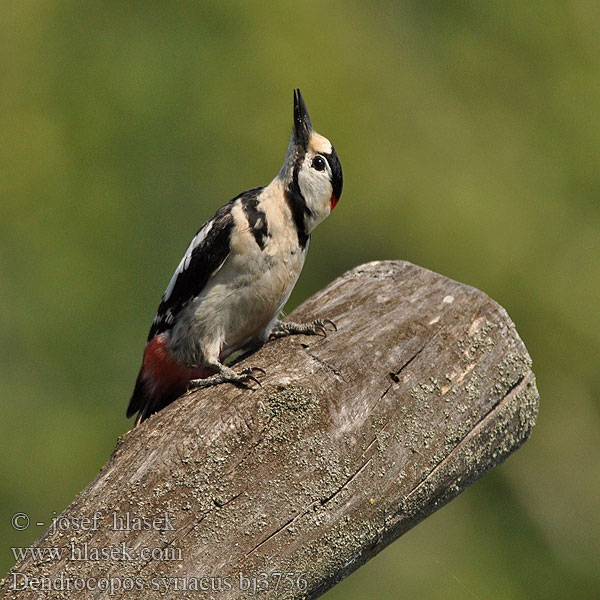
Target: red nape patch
column 163, row 370
column 333, row 201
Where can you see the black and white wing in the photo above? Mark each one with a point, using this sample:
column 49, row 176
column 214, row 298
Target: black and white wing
column 205, row 255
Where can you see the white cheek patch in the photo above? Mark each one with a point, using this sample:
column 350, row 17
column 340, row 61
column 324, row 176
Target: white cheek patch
column 315, row 187
column 319, row 144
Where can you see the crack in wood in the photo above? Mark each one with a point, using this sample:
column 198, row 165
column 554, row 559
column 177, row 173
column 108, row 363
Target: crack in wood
column 324, row 501
column 327, row 366
column 394, row 374
column 221, row 503
column 272, row 535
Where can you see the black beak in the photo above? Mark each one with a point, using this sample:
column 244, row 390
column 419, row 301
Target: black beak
column 302, row 124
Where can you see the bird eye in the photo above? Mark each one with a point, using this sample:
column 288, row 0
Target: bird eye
column 318, row 163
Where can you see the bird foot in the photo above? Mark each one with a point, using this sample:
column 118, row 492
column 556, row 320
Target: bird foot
column 227, row 375
column 317, row 327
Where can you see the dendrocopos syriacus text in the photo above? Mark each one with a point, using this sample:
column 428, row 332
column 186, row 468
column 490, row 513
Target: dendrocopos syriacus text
column 232, row 283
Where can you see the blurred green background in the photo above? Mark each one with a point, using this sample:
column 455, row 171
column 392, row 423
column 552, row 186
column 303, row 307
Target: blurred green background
column 469, row 137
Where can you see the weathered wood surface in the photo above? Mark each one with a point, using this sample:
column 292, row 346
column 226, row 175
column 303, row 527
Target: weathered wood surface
column 350, row 442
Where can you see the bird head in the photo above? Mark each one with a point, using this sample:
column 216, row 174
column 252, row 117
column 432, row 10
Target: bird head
column 312, row 171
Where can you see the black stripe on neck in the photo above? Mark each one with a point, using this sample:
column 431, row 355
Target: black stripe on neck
column 257, row 219
column 297, row 205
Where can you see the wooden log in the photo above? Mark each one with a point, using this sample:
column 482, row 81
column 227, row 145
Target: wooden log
column 350, row 442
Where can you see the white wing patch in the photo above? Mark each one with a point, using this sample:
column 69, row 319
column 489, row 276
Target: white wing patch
column 187, row 257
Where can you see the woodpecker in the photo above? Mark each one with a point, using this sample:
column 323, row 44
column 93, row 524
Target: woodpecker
column 238, row 272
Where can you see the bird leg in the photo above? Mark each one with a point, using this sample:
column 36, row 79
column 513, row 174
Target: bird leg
column 227, row 375
column 317, row 327
column 281, row 329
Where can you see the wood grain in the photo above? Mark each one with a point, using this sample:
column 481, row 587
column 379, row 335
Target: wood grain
column 350, row 442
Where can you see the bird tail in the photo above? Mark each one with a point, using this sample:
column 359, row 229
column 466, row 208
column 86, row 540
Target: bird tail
column 161, row 380
column 142, row 399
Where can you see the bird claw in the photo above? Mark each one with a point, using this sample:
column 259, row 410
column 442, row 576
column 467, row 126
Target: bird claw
column 247, row 374
column 320, row 326
column 316, row 327
column 256, row 369
column 330, row 322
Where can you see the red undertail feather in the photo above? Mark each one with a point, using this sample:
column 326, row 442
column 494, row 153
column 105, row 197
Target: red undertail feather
column 161, row 380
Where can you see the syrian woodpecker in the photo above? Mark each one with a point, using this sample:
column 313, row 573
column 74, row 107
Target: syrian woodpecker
column 239, row 270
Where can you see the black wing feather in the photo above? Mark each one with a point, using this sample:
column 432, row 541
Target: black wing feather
column 206, row 257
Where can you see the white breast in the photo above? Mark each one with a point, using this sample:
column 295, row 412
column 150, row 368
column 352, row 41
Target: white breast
column 242, row 301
